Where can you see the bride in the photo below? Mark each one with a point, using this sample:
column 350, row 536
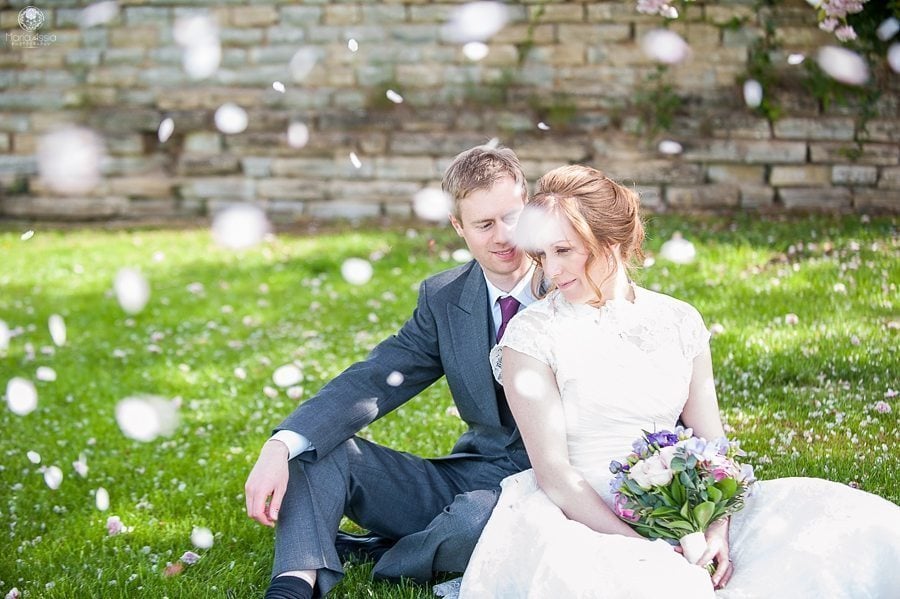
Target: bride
column 586, row 370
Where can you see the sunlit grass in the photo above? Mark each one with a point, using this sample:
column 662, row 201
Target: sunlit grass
column 810, row 398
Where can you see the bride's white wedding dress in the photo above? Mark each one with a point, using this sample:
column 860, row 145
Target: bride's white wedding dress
column 624, row 368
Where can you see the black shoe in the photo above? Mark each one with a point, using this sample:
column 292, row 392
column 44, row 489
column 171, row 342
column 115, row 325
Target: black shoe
column 361, row 548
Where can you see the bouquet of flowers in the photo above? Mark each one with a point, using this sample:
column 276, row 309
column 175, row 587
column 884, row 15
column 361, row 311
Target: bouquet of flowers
column 674, row 485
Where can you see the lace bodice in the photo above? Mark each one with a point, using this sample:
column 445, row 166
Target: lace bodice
column 621, row 368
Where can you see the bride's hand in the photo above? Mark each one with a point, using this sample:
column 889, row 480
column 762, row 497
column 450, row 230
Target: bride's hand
column 717, row 552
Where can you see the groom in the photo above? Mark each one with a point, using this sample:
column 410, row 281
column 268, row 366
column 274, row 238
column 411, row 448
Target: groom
column 314, row 469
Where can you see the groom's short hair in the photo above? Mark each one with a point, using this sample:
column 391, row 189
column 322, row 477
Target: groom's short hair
column 479, row 168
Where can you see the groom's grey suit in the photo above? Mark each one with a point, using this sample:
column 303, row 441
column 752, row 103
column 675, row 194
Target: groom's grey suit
column 434, row 508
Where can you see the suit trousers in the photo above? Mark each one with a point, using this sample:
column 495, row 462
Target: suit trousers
column 434, row 508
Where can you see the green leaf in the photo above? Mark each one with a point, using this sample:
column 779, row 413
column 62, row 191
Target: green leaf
column 677, row 464
column 634, row 487
column 703, row 514
column 728, row 486
column 715, row 494
column 687, row 481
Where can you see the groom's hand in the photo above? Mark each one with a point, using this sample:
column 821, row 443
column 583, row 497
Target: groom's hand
column 268, row 479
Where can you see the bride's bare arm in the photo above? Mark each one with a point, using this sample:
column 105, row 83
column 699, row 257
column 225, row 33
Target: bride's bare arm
column 534, row 401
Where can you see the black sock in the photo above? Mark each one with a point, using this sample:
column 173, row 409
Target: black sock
column 289, row 587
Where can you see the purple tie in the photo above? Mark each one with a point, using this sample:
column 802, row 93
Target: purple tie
column 508, row 308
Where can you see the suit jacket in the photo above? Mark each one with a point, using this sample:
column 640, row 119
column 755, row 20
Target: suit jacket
column 447, row 335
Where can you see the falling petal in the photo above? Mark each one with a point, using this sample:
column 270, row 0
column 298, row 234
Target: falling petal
column 21, row 396
column 795, row 59
column 395, row 379
column 143, row 418
column 69, row 160
column 240, row 227
column 753, row 93
column 53, row 476
column 27, row 235
column 270, row 392
column 475, row 21
column 99, row 13
column 132, row 290
column 355, row 161
column 303, row 62
column 888, row 28
column 492, row 143
column 240, row 373
column 198, row 36
column 231, row 118
column 4, row 336
column 356, row 271
column 665, row 46
column 57, row 327
column 278, row 86
column 649, row 261
column 791, row 319
column 678, row 250
column 535, row 229
column 166, row 128
column 102, row 499
column 475, row 51
column 80, row 465
column 668, row 146
column 34, row 457
column 843, row 65
column 543, row 126
column 45, row 374
column 461, row 255
column 295, row 392
column 716, row 329
column 839, row 288
column 352, row 45
column 432, row 204
column 298, row 135
column 114, row 526
column 394, row 96
column 287, row 375
column 893, row 57
column 202, row 538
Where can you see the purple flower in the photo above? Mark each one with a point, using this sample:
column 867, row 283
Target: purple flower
column 616, row 483
column 640, row 447
column 662, row 438
column 615, row 467
column 190, row 558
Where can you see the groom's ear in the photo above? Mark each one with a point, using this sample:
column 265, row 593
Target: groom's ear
column 456, row 225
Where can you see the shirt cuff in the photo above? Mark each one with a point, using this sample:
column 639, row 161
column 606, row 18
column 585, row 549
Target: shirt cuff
column 296, row 443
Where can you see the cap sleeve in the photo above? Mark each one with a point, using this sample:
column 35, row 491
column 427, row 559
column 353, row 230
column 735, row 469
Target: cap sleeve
column 529, row 333
column 694, row 334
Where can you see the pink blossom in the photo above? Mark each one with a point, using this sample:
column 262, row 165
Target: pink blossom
column 114, row 526
column 624, row 512
column 829, row 24
column 845, row 33
column 882, row 407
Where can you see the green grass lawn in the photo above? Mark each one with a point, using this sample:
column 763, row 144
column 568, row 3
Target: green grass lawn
column 813, row 398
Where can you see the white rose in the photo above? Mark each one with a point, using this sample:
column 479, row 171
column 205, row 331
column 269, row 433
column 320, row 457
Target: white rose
column 650, row 472
column 666, row 454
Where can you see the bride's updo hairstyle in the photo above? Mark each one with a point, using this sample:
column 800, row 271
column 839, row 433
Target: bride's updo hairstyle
column 602, row 212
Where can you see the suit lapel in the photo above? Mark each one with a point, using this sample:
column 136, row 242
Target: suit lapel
column 469, row 325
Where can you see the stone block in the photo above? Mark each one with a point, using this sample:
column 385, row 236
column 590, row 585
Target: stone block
column 230, row 189
column 876, row 154
column 142, row 208
column 744, row 37
column 253, row 16
column 817, row 198
column 851, row 174
column 699, row 36
column 14, row 122
column 564, row 150
column 124, row 143
column 134, row 37
column 517, row 33
column 877, row 199
column 890, row 177
column 203, row 142
column 64, row 208
column 557, row 13
column 815, row 128
column 342, row 14
column 418, row 75
column 748, row 151
column 740, row 174
column 757, row 196
column 208, row 164
column 300, row 15
column 617, row 12
column 651, row 196
column 257, row 166
column 339, row 208
column 883, row 130
column 291, row 189
column 83, row 57
column 247, row 37
column 647, row 170
column 157, row 185
column 420, row 34
column 305, row 168
column 800, row 176
column 373, row 191
column 285, row 35
column 724, row 15
column 406, row 168
column 5, row 142
column 718, row 195
column 382, row 14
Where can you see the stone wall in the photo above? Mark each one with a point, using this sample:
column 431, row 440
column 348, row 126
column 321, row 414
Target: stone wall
column 564, row 81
